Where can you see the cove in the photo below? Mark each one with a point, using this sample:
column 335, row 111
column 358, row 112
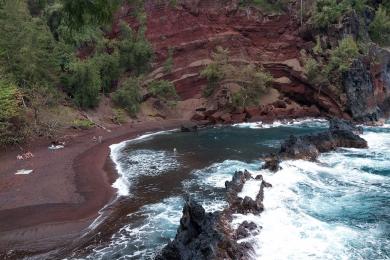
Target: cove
column 336, row 208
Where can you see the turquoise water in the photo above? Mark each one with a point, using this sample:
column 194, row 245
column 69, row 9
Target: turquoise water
column 337, row 208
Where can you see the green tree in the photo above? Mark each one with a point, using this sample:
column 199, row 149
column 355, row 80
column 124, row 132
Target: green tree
column 341, row 57
column 128, row 96
column 109, row 70
column 135, row 52
column 11, row 119
column 327, row 12
column 82, row 12
column 163, row 89
column 83, row 83
column 28, row 52
column 380, row 27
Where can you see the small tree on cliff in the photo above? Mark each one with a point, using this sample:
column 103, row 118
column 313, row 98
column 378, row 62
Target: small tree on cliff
column 252, row 78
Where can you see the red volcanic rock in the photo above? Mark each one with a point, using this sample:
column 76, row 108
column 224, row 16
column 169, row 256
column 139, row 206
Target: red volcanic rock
column 279, row 104
column 211, row 109
column 227, row 118
column 238, row 118
column 252, row 111
column 194, row 28
column 216, row 117
column 198, row 116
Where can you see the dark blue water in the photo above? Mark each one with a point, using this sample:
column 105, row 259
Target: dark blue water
column 337, row 208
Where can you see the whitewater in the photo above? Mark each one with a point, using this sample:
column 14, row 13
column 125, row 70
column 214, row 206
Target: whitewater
column 335, row 208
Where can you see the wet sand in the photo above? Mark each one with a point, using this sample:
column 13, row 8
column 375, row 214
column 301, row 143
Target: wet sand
column 56, row 203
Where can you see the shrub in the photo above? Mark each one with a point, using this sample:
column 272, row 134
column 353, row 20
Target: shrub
column 163, row 89
column 128, row 96
column 168, row 64
column 27, row 49
column 317, row 49
column 11, row 119
column 327, row 12
column 135, row 52
column 380, row 27
column 254, row 82
column 119, row 116
column 312, row 69
column 109, row 70
column 83, row 83
column 83, row 124
column 341, row 57
column 214, row 72
column 275, row 6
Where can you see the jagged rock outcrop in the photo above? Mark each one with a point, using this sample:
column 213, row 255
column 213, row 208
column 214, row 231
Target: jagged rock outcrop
column 308, row 147
column 204, row 235
column 197, row 236
column 358, row 86
column 201, row 236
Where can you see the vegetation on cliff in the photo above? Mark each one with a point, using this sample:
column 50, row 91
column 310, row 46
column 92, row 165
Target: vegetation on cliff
column 50, row 48
column 252, row 80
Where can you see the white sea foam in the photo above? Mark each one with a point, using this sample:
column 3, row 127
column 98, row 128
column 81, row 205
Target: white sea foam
column 218, row 173
column 141, row 239
column 302, row 209
column 310, row 122
column 122, row 184
column 251, row 189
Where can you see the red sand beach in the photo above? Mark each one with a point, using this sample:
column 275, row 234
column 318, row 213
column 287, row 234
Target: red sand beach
column 53, row 205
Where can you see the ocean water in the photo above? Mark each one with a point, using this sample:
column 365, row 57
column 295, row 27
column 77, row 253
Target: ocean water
column 336, row 208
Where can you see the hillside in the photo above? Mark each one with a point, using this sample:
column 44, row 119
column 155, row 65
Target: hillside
column 78, row 65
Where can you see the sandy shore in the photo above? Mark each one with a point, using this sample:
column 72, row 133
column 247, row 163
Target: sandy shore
column 62, row 197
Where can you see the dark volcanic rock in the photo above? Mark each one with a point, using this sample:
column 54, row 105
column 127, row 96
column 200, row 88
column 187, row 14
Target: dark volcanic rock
column 340, row 134
column 197, row 236
column 201, row 236
column 246, row 205
column 189, row 128
column 358, row 85
column 272, row 162
column 204, row 235
column 244, row 229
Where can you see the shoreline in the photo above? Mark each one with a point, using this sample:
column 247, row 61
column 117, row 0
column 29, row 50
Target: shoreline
column 35, row 228
column 50, row 230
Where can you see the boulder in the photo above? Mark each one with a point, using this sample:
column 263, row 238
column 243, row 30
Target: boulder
column 189, row 127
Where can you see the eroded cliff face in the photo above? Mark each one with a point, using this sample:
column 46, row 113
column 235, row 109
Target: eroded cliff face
column 192, row 29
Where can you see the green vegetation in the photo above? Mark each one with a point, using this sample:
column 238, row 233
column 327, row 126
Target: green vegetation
column 254, row 82
column 109, row 70
column 28, row 53
column 215, row 71
column 168, row 64
column 163, row 89
column 83, row 124
column 327, row 12
column 79, row 13
column 341, row 57
column 266, row 5
column 119, row 116
column 328, row 72
column 11, row 117
column 83, row 83
column 380, row 27
column 252, row 79
column 128, row 96
column 50, row 46
column 135, row 52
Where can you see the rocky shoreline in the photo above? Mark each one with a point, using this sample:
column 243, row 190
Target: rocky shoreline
column 209, row 235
